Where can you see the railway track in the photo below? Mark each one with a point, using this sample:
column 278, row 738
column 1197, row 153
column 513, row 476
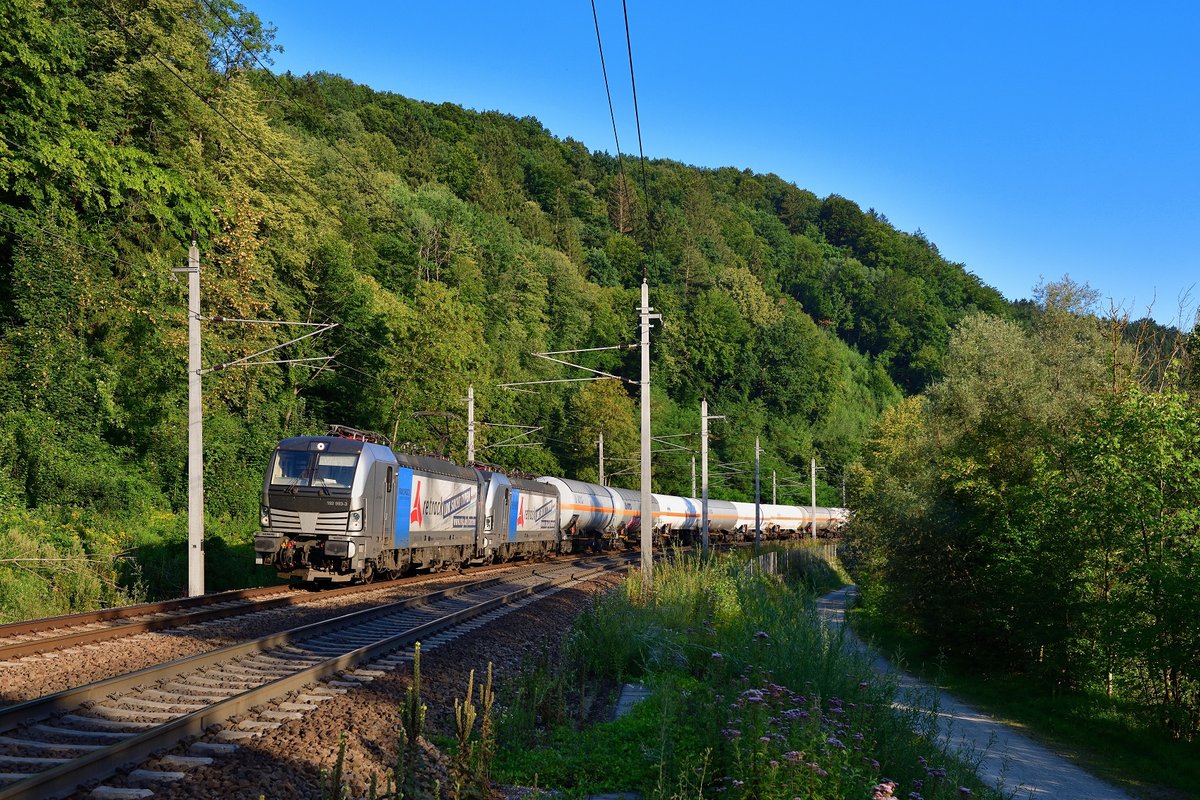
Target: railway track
column 52, row 745
column 21, row 639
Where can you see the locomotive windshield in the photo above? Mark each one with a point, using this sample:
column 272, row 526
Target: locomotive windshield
column 306, row 468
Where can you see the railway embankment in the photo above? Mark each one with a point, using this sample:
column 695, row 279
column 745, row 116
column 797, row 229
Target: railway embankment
column 749, row 692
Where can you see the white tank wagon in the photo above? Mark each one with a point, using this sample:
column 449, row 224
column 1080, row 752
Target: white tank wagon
column 783, row 521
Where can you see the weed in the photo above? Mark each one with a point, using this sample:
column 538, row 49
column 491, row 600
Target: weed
column 540, row 702
column 331, row 784
column 412, row 726
column 470, row 768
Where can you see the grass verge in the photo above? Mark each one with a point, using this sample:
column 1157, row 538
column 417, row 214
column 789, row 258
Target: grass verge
column 750, row 698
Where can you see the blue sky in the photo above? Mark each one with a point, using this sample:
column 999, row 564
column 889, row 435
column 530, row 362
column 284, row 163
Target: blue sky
column 1025, row 139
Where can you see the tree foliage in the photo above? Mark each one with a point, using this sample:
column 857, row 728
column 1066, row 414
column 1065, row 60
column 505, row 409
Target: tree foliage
column 447, row 245
column 1036, row 509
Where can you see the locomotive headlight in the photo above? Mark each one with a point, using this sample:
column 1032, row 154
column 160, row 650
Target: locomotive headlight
column 264, row 516
column 356, row 520
column 339, row 548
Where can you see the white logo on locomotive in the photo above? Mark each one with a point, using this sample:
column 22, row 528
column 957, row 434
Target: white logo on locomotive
column 541, row 513
column 449, row 508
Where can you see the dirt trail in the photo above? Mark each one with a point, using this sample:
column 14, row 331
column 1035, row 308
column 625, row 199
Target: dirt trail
column 1026, row 768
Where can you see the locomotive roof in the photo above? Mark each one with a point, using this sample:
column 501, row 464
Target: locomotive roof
column 438, row 466
column 333, row 444
column 525, row 484
column 531, row 485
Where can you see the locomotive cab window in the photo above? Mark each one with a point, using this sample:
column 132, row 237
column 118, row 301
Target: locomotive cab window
column 335, row 469
column 290, row 468
column 302, row 468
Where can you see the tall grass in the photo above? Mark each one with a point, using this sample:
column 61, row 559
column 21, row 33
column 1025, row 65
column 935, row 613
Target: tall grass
column 58, row 560
column 751, row 698
column 57, row 565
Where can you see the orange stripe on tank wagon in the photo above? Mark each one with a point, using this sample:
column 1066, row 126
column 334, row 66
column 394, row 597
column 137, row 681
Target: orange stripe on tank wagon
column 604, row 509
column 678, row 514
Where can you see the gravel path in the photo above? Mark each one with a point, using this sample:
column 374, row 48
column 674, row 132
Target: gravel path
column 1025, row 767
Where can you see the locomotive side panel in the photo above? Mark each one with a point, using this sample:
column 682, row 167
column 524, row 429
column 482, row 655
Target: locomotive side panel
column 440, row 513
column 534, row 512
column 440, row 510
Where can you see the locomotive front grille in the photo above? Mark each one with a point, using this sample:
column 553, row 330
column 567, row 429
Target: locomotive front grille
column 309, row 521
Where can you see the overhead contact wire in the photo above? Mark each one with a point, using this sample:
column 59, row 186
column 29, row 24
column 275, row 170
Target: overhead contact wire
column 638, row 121
column 608, row 92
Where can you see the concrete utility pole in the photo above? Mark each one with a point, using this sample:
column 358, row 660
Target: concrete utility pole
column 704, row 418
column 195, row 554
column 704, row 477
column 757, row 498
column 195, row 432
column 814, row 498
column 647, row 522
column 471, row 423
column 693, row 494
column 601, row 458
column 773, row 486
column 195, row 548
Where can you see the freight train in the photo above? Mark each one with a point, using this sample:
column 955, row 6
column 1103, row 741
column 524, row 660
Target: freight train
column 346, row 507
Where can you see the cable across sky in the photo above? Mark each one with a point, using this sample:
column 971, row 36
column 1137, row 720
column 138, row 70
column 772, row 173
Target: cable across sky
column 1027, row 141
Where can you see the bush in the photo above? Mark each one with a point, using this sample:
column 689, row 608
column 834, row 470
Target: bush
column 57, row 565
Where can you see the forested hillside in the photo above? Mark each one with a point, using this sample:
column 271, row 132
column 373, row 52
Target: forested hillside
column 447, row 245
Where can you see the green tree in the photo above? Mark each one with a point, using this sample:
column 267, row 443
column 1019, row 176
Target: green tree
column 1128, row 494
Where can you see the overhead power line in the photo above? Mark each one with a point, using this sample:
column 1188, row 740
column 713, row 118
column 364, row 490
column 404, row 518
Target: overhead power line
column 608, row 92
column 638, row 120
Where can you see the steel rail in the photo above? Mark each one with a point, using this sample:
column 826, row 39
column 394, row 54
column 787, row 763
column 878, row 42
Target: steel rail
column 12, row 629
column 208, row 607
column 65, row 778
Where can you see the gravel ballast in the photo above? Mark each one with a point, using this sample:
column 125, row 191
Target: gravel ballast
column 287, row 762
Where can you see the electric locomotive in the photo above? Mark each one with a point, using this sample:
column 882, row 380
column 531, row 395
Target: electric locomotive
column 345, row 507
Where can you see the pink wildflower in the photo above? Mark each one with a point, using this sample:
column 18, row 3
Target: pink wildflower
column 883, row 790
